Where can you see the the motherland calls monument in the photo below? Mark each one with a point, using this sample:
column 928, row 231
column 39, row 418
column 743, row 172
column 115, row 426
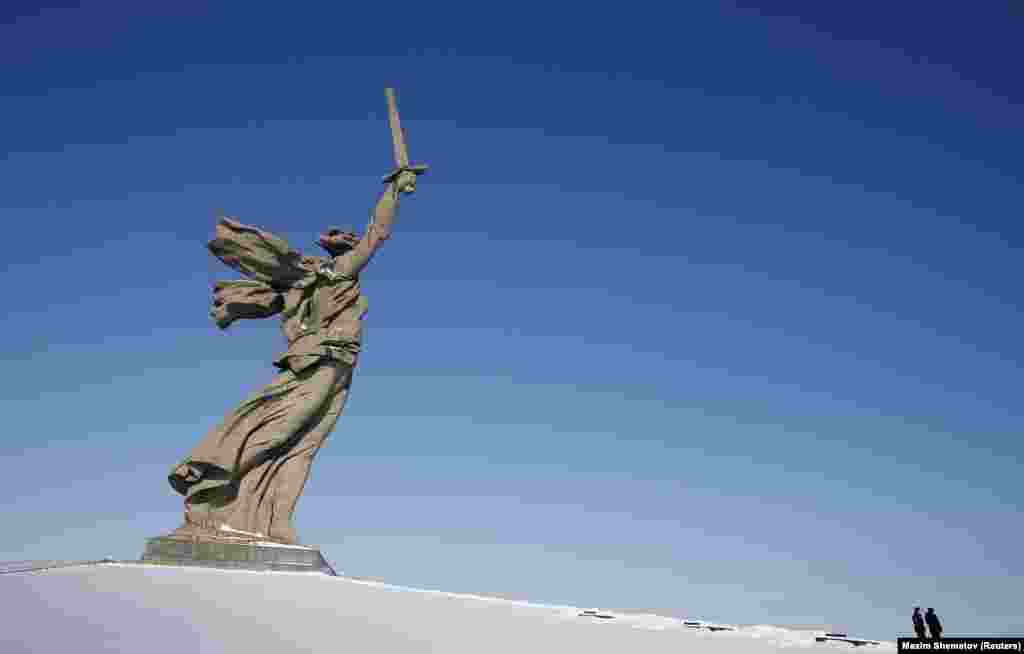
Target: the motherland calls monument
column 242, row 481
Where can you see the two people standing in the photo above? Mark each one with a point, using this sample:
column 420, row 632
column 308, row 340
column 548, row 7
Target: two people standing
column 931, row 619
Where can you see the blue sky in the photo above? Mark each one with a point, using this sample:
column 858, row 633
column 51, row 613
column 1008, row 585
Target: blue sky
column 714, row 313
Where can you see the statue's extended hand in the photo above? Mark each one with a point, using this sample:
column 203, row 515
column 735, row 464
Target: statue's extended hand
column 405, row 182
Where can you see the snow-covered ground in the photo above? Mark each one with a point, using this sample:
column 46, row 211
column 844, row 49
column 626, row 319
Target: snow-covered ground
column 124, row 607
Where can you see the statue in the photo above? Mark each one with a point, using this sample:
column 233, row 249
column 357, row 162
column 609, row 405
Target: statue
column 242, row 481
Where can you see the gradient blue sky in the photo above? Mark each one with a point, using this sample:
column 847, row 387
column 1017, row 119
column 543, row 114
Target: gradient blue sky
column 712, row 311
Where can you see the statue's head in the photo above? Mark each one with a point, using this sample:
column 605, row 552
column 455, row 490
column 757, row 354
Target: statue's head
column 338, row 241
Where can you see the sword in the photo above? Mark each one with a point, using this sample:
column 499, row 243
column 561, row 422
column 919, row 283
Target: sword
column 398, row 141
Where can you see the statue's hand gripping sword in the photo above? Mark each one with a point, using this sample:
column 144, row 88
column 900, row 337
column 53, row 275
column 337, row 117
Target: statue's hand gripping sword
column 398, row 141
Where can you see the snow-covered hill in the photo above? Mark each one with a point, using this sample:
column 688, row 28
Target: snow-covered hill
column 124, row 607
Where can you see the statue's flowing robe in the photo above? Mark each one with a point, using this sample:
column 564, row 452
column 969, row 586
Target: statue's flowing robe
column 247, row 474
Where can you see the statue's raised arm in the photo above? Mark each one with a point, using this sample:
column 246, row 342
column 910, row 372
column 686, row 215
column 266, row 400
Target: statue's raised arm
column 351, row 261
column 353, row 254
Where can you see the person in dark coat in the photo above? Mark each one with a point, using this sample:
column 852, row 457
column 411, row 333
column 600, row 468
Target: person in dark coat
column 934, row 626
column 918, row 622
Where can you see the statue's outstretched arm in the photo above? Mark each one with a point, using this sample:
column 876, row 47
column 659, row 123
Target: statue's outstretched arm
column 379, row 229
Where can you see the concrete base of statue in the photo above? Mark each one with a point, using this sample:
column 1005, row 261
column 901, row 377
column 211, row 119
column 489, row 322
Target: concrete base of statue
column 226, row 552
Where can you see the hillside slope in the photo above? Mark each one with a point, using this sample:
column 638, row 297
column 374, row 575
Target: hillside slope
column 123, row 607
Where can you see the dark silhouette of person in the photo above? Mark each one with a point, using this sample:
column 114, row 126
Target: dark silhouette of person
column 934, row 626
column 918, row 622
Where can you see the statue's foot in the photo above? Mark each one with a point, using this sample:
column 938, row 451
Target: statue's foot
column 205, row 532
column 193, row 531
column 284, row 534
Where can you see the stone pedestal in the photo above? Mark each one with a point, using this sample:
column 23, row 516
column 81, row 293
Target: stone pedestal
column 167, row 550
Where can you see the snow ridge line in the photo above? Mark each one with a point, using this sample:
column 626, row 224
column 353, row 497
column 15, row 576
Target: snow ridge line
column 784, row 637
column 35, row 566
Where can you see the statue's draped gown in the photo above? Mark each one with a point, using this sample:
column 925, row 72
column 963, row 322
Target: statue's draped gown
column 247, row 474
